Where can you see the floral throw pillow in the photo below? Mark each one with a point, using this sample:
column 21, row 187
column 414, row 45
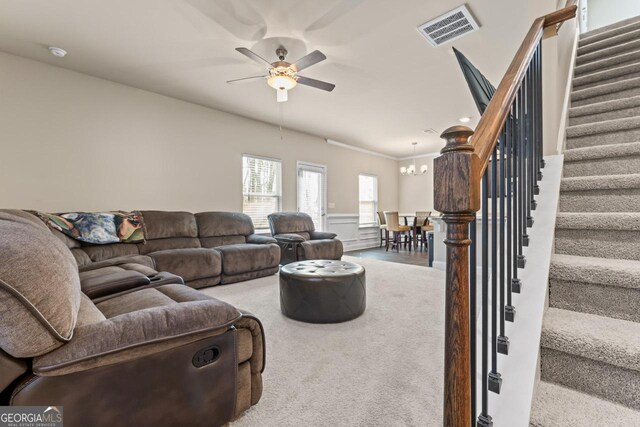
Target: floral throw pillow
column 98, row 228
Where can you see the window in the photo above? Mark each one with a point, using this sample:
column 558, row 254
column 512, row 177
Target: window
column 261, row 189
column 368, row 199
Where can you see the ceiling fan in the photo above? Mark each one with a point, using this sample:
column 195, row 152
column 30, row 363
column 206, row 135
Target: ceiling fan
column 282, row 75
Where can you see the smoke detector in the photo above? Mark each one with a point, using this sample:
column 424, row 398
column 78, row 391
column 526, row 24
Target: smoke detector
column 448, row 27
column 56, row 51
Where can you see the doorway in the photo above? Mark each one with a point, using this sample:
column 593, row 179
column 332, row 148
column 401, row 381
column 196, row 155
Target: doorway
column 312, row 192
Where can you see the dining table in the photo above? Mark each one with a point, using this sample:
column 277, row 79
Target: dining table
column 409, row 220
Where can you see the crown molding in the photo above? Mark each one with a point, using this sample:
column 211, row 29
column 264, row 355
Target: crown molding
column 419, row 156
column 376, row 153
column 362, row 150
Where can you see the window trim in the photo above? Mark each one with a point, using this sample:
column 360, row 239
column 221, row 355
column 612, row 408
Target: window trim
column 278, row 196
column 375, row 222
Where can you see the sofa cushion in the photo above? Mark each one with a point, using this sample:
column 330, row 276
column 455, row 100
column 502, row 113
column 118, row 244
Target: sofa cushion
column 212, row 224
column 190, row 264
column 143, row 260
column 114, row 250
column 39, row 288
column 238, row 259
column 213, row 242
column 290, row 222
column 81, row 257
column 169, row 243
column 320, row 249
column 153, row 316
column 163, row 224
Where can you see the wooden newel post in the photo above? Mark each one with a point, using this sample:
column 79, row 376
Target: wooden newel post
column 456, row 195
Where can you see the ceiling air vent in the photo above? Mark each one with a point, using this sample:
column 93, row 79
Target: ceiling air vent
column 450, row 26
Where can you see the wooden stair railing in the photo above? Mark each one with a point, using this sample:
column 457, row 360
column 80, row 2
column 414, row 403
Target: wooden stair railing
column 508, row 138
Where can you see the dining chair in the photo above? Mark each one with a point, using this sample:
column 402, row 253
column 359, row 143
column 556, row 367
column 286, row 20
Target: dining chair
column 393, row 225
column 383, row 227
column 425, row 227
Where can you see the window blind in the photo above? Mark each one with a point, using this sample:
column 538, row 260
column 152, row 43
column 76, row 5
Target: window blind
column 368, row 197
column 261, row 189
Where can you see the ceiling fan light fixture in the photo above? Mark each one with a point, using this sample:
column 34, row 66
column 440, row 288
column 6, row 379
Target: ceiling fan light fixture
column 280, row 82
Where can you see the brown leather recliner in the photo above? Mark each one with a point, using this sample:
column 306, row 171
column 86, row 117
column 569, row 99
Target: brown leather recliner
column 299, row 241
column 156, row 356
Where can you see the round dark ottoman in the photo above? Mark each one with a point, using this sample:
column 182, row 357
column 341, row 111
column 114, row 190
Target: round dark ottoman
column 322, row 291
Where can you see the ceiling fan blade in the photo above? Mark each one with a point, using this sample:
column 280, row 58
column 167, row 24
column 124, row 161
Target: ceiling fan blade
column 246, row 78
column 254, row 56
column 318, row 84
column 310, row 59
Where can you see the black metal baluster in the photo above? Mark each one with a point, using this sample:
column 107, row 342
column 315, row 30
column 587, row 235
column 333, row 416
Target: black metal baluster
column 538, row 114
column 484, row 420
column 533, row 136
column 518, row 257
column 472, row 313
column 494, row 377
column 529, row 164
column 509, row 310
column 540, row 117
column 502, row 341
column 524, row 239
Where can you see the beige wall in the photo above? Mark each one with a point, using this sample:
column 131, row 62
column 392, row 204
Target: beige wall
column 74, row 142
column 415, row 193
column 605, row 12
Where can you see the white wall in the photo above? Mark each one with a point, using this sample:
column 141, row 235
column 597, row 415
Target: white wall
column 605, row 12
column 415, row 193
column 69, row 141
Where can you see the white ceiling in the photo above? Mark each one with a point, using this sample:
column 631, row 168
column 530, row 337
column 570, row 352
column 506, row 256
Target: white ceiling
column 390, row 83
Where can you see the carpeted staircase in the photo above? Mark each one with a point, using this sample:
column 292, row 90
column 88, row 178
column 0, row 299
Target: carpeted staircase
column 590, row 345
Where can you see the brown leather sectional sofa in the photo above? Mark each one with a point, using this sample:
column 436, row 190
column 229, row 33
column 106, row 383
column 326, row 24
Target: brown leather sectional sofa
column 204, row 249
column 120, row 342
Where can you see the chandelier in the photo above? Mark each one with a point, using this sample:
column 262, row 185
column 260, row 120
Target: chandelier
column 411, row 169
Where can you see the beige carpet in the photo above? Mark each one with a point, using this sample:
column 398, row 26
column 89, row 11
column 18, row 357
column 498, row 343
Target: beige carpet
column 382, row 369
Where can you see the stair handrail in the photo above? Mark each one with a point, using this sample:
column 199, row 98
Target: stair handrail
column 486, row 134
column 457, row 194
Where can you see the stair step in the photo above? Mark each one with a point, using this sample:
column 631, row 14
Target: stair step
column 614, row 159
column 601, row 235
column 606, row 92
column 607, row 132
column 592, row 354
column 600, row 193
column 600, row 286
column 586, row 39
column 608, row 53
column 556, row 406
column 607, row 63
column 609, row 42
column 616, row 74
column 607, row 110
column 610, row 27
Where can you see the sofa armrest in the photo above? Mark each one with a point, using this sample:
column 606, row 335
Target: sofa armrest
column 191, row 316
column 321, row 235
column 289, row 238
column 111, row 283
column 257, row 239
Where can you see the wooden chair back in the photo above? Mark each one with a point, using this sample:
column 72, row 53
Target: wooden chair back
column 391, row 218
